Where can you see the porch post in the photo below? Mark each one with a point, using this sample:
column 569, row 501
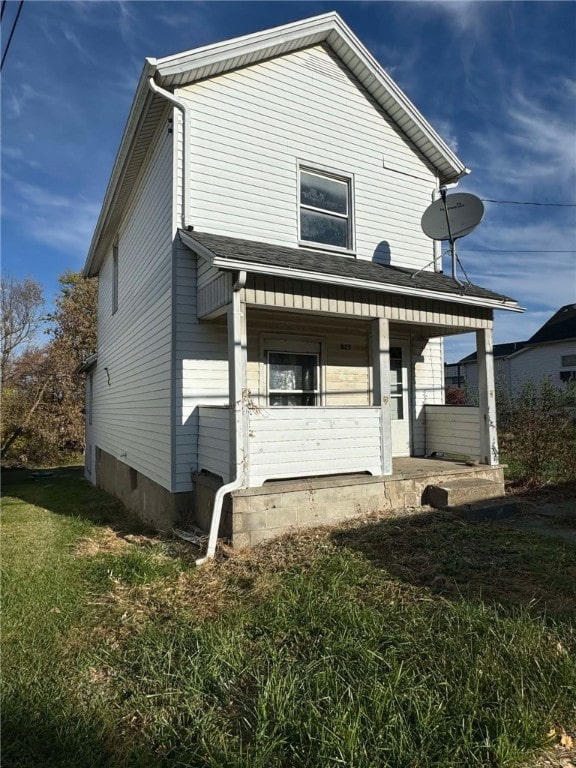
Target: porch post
column 381, row 377
column 486, row 397
column 237, row 386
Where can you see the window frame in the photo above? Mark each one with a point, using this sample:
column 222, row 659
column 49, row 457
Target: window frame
column 316, row 392
column 568, row 361
column 294, row 344
column 344, row 177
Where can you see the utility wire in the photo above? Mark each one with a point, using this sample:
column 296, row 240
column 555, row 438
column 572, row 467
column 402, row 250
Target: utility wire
column 512, row 250
column 517, row 202
column 3, row 8
column 11, row 32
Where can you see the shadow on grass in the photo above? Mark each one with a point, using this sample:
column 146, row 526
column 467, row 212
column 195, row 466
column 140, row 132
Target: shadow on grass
column 486, row 562
column 33, row 735
column 65, row 491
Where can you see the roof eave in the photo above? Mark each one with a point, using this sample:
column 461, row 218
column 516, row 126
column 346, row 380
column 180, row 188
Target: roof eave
column 94, row 257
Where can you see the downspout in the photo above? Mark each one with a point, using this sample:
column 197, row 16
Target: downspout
column 185, row 150
column 239, row 431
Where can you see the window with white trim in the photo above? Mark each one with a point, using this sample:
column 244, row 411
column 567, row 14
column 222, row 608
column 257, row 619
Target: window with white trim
column 293, row 378
column 325, row 209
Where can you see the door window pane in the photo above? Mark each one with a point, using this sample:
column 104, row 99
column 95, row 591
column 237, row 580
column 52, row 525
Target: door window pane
column 396, row 383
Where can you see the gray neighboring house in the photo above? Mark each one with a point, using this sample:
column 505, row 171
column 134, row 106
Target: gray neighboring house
column 269, row 307
column 549, row 354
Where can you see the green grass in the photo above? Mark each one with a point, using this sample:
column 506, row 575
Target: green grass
column 427, row 643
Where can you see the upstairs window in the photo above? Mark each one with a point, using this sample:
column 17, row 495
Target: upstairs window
column 325, row 209
column 568, row 360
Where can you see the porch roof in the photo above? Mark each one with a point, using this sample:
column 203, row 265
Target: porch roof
column 232, row 253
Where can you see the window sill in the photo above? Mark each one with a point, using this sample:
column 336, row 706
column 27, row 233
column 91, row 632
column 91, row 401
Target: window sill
column 327, row 248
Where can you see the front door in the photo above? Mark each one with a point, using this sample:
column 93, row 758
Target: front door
column 399, row 400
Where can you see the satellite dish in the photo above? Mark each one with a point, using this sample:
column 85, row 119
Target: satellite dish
column 452, row 216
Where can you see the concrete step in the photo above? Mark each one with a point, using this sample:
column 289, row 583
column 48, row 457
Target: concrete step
column 469, row 490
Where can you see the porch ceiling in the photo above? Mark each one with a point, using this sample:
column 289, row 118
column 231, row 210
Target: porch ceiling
column 230, row 253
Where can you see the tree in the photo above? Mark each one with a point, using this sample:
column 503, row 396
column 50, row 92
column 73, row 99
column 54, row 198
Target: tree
column 21, row 304
column 44, row 402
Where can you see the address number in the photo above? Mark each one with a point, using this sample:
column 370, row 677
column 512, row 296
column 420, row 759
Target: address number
column 345, row 346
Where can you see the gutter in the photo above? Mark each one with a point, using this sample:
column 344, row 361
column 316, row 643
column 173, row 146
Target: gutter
column 183, row 107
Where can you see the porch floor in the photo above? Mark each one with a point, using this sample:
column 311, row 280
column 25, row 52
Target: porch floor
column 408, row 467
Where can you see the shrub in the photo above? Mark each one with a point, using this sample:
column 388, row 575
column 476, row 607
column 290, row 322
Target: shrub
column 537, row 432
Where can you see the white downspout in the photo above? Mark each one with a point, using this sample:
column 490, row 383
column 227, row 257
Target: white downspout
column 237, row 380
column 182, row 106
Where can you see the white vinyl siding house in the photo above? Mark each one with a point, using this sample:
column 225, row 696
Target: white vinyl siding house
column 268, row 302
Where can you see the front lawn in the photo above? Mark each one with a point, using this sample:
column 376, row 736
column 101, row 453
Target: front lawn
column 407, row 643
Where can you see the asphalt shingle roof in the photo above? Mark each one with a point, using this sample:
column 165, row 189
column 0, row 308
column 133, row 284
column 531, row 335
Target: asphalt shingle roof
column 252, row 252
column 561, row 326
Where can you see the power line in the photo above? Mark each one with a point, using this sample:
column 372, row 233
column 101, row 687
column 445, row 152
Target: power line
column 513, row 250
column 3, row 8
column 517, row 202
column 11, row 32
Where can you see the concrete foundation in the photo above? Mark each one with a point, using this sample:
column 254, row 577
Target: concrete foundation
column 151, row 503
column 258, row 514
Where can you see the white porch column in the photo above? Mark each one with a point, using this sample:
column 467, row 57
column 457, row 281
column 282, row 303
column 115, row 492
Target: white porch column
column 237, row 386
column 487, row 397
column 381, row 378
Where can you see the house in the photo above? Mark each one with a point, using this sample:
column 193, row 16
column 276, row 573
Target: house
column 271, row 315
column 549, row 354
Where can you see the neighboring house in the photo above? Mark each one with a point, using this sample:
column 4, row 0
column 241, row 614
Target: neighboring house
column 549, row 354
column 267, row 308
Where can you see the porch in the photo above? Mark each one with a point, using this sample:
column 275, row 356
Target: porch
column 283, row 443
column 257, row 514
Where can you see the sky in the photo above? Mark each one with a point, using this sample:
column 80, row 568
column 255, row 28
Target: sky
column 496, row 79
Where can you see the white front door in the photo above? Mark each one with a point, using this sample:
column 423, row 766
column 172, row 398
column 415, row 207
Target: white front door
column 399, row 399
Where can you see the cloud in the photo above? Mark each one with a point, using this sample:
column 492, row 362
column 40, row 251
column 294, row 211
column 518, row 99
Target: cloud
column 57, row 220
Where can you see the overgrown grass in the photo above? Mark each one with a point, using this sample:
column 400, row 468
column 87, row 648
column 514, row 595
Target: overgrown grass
column 537, row 432
column 408, row 642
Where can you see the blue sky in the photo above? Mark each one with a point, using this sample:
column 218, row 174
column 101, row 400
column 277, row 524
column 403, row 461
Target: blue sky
column 496, row 79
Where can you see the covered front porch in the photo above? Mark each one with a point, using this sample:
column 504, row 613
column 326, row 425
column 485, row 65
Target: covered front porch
column 334, row 374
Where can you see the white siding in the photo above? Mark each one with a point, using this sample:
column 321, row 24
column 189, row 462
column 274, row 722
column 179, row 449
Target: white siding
column 530, row 365
column 132, row 407
column 214, row 441
column 249, row 129
column 201, row 367
column 453, row 429
column 428, row 386
column 304, row 442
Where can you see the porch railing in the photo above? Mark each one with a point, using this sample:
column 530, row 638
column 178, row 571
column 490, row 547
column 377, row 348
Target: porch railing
column 453, row 429
column 295, row 442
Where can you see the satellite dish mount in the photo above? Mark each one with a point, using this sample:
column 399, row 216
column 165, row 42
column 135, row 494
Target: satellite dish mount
column 450, row 218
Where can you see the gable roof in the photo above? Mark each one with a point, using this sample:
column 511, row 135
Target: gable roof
column 208, row 61
column 560, row 327
column 498, row 350
column 232, row 253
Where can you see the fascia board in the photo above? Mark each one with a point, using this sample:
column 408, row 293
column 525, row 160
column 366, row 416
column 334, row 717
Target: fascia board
column 231, row 264
column 237, row 47
column 92, row 264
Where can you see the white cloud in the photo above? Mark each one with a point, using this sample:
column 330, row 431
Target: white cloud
column 57, row 220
